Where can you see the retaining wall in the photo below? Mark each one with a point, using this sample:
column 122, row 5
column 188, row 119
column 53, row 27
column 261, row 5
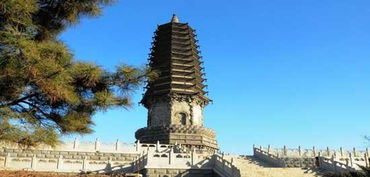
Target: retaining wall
column 62, row 161
column 152, row 172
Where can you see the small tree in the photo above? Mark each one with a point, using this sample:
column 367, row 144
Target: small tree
column 44, row 93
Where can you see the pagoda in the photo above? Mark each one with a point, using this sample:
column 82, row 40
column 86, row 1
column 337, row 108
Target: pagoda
column 176, row 98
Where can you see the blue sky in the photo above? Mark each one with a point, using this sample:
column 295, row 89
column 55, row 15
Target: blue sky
column 280, row 72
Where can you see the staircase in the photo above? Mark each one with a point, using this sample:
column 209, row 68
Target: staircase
column 250, row 166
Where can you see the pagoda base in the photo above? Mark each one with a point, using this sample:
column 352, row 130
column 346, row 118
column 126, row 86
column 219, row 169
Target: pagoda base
column 189, row 136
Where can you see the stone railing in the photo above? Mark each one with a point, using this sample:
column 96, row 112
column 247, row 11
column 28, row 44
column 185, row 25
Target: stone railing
column 224, row 167
column 343, row 163
column 140, row 163
column 268, row 157
column 175, row 157
column 86, row 146
column 76, row 158
column 334, row 160
column 62, row 161
column 95, row 146
column 313, row 152
column 171, row 158
column 332, row 165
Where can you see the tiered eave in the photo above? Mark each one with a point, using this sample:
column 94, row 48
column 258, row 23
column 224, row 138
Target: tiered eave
column 175, row 54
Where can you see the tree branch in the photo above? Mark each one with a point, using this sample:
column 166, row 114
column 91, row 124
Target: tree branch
column 18, row 100
column 36, row 107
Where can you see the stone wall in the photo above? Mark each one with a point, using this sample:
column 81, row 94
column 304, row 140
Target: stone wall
column 166, row 112
column 151, row 160
column 76, row 156
column 159, row 114
column 63, row 161
column 299, row 162
column 175, row 161
column 150, row 172
column 192, row 110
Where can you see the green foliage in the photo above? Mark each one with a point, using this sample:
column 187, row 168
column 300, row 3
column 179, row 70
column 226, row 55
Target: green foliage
column 44, row 93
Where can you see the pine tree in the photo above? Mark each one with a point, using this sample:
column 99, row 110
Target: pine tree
column 44, row 93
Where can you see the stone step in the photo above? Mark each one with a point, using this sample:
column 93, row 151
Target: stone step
column 250, row 166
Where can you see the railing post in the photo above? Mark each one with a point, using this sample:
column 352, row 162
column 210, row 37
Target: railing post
column 299, row 151
column 34, row 162
column 314, row 151
column 192, row 157
column 109, row 164
column 223, row 161
column 341, row 151
column 60, row 162
column 171, row 158
column 231, row 166
column 138, row 162
column 366, row 160
column 354, row 152
column 117, row 145
column 351, row 159
column 7, row 160
column 75, row 143
column 137, row 145
column 157, row 146
column 254, row 149
column 328, row 151
column 97, row 144
column 84, row 163
column 333, row 163
column 285, row 151
column 268, row 149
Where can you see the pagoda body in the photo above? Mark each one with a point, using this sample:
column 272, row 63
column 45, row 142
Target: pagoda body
column 176, row 98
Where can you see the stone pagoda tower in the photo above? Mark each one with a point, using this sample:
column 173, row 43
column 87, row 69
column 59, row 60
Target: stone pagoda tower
column 175, row 100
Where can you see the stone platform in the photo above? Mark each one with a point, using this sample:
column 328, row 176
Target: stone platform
column 190, row 135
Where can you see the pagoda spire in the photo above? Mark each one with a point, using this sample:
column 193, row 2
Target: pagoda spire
column 176, row 97
column 175, row 54
column 175, row 19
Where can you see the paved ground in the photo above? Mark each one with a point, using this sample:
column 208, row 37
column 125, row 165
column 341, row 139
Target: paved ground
column 252, row 167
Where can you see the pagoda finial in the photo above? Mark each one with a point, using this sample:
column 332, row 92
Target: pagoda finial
column 174, row 19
